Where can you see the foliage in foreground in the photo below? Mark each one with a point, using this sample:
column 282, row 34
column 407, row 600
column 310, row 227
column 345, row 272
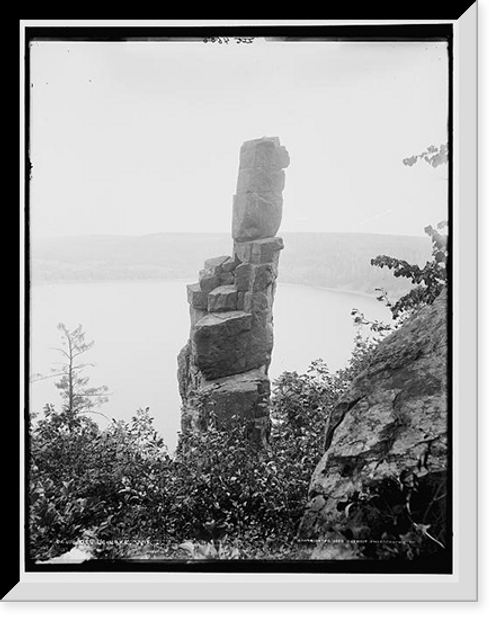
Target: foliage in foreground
column 404, row 516
column 218, row 497
column 119, row 489
column 119, row 492
column 429, row 280
column 84, row 479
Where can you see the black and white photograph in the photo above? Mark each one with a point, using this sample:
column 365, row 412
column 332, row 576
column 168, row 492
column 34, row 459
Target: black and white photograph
column 239, row 299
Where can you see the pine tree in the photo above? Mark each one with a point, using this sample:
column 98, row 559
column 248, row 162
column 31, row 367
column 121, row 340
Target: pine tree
column 78, row 397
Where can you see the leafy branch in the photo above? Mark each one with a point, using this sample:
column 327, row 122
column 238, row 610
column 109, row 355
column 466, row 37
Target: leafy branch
column 434, row 156
column 429, row 279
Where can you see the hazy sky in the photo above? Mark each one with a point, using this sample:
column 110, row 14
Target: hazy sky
column 143, row 137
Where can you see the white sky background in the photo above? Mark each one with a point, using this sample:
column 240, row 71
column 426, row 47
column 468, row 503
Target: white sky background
column 144, row 137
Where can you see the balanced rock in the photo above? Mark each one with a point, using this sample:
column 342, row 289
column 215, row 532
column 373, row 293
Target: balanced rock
column 266, row 152
column 256, row 215
column 231, row 338
column 258, row 203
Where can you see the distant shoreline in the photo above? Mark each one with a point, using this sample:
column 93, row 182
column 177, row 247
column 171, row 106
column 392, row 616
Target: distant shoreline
column 340, row 291
column 62, row 237
column 340, row 263
column 186, row 281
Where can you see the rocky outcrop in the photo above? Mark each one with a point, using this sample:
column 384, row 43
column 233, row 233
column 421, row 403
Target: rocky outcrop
column 390, row 427
column 222, row 370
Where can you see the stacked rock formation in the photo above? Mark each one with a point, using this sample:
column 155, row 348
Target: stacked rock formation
column 223, row 369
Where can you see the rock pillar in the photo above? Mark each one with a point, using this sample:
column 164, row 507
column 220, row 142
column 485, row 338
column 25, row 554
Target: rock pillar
column 223, row 369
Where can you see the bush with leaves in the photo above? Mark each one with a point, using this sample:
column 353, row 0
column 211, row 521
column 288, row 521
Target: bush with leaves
column 220, row 493
column 430, row 280
column 433, row 277
column 434, row 156
column 226, row 486
column 106, row 484
column 120, row 489
column 60, row 451
column 224, row 494
column 401, row 517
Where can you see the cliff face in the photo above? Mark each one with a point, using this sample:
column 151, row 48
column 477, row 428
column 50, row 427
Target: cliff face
column 223, row 368
column 391, row 427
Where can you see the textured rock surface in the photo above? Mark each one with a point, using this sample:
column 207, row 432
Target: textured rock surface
column 223, row 298
column 258, row 203
column 197, row 298
column 247, row 394
column 393, row 419
column 220, row 342
column 259, row 251
column 223, row 368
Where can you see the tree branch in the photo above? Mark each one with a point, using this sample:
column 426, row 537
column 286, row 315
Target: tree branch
column 60, row 351
column 39, row 377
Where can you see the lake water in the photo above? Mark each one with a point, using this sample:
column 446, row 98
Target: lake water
column 140, row 327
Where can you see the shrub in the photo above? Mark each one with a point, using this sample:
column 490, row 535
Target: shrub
column 223, row 494
column 84, row 481
column 226, row 486
column 429, row 279
column 399, row 518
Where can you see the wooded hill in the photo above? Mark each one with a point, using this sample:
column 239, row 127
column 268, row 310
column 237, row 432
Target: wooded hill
column 329, row 260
